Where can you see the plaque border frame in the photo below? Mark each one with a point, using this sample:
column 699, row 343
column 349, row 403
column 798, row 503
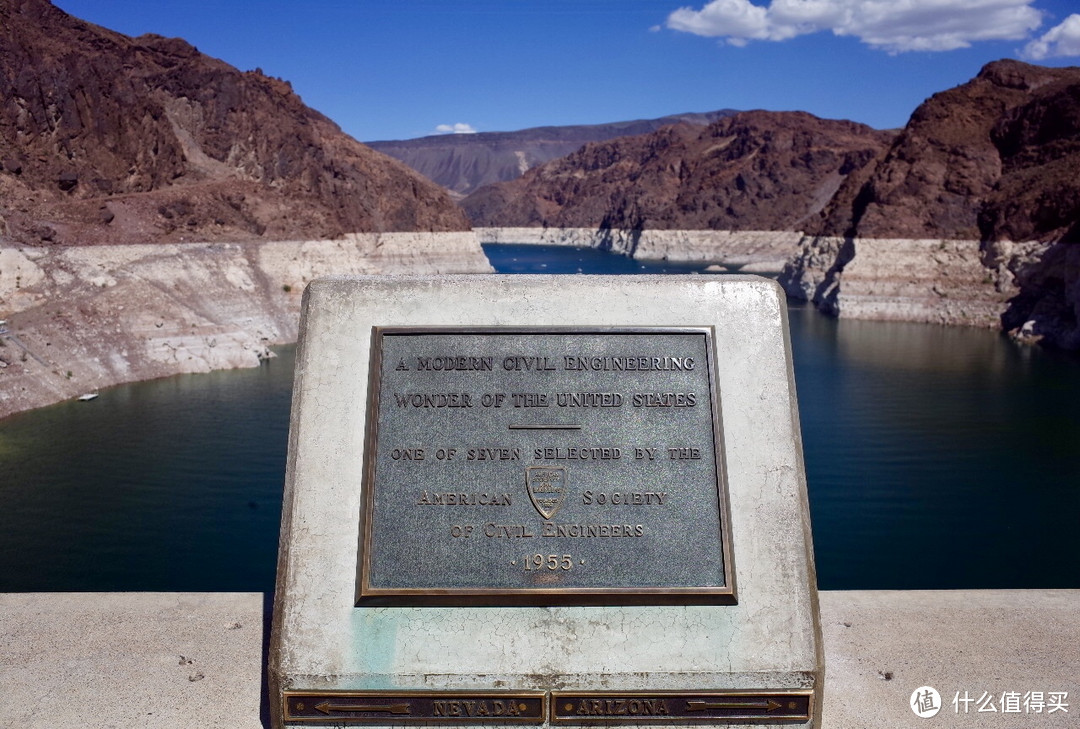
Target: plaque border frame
column 368, row 596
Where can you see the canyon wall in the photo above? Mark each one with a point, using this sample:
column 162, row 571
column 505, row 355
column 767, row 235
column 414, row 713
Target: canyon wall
column 969, row 215
column 117, row 152
column 81, row 318
column 1030, row 290
column 108, row 139
column 992, row 160
column 754, row 170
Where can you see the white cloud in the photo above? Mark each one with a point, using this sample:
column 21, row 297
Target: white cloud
column 1061, row 40
column 458, row 128
column 890, row 25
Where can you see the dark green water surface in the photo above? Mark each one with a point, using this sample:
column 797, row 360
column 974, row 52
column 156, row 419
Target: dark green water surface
column 172, row 484
column 936, row 458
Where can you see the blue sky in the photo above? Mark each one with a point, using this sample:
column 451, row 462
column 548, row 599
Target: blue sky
column 396, row 69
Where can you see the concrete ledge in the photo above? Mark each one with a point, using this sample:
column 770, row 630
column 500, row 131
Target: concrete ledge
column 133, row 660
column 991, row 641
column 114, row 659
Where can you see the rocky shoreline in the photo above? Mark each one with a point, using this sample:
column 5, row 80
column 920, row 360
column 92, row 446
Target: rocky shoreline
column 968, row 215
column 83, row 318
column 930, row 281
column 1030, row 290
column 80, row 318
column 747, row 251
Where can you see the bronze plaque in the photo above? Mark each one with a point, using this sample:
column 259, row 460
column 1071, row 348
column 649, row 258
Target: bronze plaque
column 544, row 466
column 636, row 707
column 408, row 707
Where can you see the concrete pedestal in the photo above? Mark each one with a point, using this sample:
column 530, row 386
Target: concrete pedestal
column 768, row 642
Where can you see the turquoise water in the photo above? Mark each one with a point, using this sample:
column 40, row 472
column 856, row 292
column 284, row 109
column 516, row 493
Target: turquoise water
column 936, row 458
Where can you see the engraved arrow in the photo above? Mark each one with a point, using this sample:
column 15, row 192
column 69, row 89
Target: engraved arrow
column 326, row 707
column 767, row 704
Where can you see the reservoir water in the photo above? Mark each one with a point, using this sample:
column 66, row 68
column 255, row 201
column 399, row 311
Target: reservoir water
column 936, row 458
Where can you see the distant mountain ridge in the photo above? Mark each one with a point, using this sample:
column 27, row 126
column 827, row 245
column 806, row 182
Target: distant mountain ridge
column 107, row 138
column 463, row 163
column 754, row 170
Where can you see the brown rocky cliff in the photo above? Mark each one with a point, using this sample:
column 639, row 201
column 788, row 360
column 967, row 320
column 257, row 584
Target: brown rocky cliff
column 1038, row 199
column 106, row 138
column 1038, row 194
column 990, row 159
column 754, row 170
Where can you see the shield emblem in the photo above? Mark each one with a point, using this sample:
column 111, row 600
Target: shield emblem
column 547, row 488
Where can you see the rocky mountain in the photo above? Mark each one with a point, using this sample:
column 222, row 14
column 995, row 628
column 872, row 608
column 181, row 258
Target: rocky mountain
column 107, row 138
column 753, row 170
column 993, row 159
column 465, row 162
column 992, row 162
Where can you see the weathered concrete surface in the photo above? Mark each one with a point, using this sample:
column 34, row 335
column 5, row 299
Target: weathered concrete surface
column 132, row 660
column 880, row 646
column 114, row 659
column 746, row 251
column 82, row 318
column 934, row 281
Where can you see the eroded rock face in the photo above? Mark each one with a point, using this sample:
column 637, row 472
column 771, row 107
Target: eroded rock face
column 990, row 165
column 79, row 318
column 900, row 279
column 1047, row 307
column 752, row 171
column 111, row 139
column 987, row 160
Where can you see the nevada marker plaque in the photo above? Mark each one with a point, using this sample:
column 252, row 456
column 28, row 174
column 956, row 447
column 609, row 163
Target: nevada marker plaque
column 543, row 466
